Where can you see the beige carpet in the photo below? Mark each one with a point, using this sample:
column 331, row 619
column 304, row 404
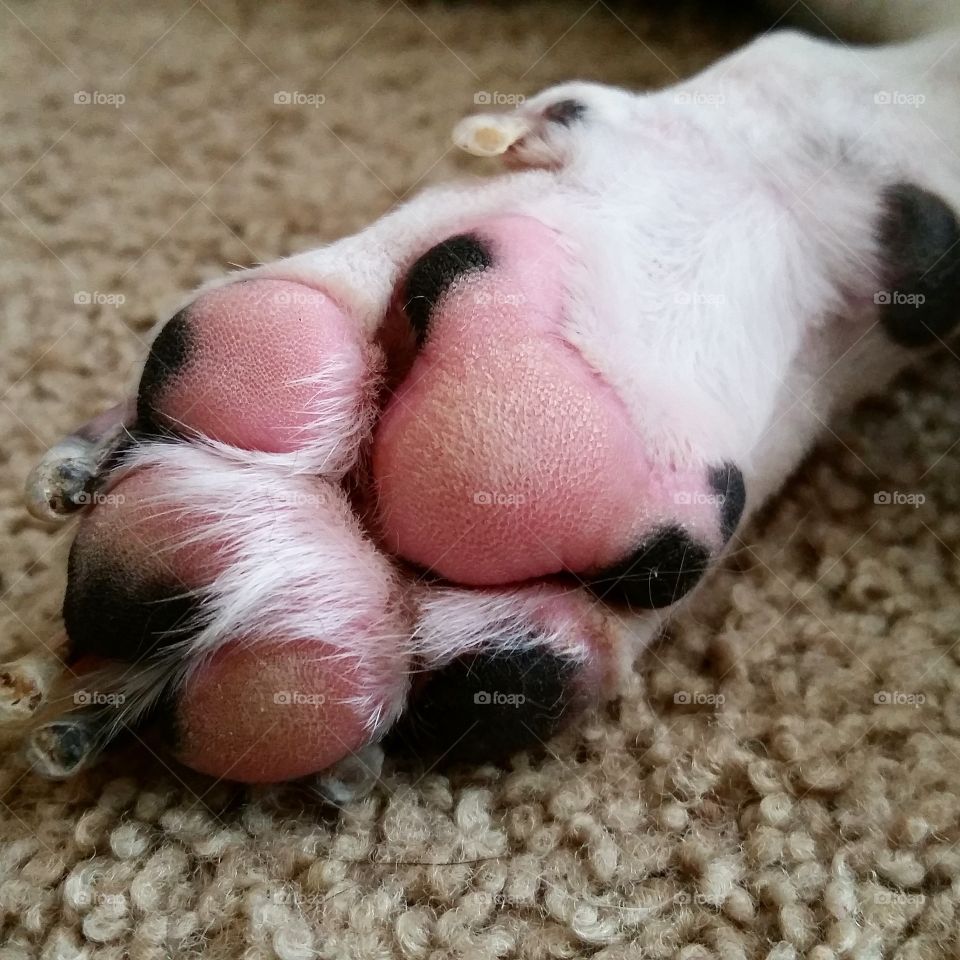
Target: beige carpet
column 799, row 817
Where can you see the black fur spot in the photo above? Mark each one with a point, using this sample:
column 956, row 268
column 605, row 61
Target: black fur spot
column 727, row 483
column 168, row 354
column 565, row 112
column 920, row 237
column 436, row 271
column 487, row 706
column 656, row 575
column 111, row 612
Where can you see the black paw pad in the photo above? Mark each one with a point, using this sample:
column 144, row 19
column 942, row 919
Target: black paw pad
column 168, row 355
column 726, row 481
column 487, row 706
column 438, row 270
column 110, row 612
column 656, row 575
column 565, row 112
column 920, row 239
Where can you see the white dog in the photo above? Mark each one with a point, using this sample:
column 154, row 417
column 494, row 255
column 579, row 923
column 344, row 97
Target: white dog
column 422, row 473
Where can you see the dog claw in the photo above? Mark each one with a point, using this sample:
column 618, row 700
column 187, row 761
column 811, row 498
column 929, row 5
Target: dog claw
column 61, row 482
column 489, row 135
column 66, row 478
column 353, row 778
column 65, row 746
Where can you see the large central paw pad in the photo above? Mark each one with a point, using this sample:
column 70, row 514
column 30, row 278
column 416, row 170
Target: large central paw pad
column 250, row 573
column 504, row 456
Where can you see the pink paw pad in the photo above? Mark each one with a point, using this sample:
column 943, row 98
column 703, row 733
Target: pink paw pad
column 233, row 572
column 265, row 365
column 505, row 457
column 267, row 711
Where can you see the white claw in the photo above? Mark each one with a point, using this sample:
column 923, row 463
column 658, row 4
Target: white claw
column 490, row 134
column 64, row 481
column 353, row 778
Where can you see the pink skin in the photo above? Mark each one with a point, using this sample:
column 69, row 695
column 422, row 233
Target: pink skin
column 249, row 378
column 503, row 456
column 263, row 712
column 565, row 613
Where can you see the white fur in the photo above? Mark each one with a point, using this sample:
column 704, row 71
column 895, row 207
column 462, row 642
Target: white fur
column 453, row 622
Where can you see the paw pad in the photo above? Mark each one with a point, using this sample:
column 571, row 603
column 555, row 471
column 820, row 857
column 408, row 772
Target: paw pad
column 264, row 365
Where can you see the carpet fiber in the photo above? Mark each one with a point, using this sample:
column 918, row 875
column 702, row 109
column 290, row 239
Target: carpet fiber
column 782, row 777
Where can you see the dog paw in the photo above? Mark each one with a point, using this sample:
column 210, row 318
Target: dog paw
column 309, row 530
column 402, row 488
